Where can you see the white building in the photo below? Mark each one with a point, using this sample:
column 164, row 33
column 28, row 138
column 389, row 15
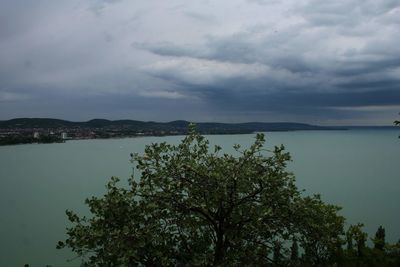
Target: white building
column 36, row 135
column 64, row 135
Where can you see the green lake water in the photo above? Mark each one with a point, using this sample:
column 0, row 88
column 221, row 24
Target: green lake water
column 356, row 169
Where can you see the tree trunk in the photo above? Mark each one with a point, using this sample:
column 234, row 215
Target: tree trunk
column 219, row 249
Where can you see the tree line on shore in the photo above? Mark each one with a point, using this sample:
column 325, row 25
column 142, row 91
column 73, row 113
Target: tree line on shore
column 30, row 139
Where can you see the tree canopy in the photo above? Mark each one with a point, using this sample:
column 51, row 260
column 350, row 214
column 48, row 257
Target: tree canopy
column 193, row 205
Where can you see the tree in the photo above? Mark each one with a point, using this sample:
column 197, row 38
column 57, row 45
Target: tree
column 194, row 205
column 379, row 240
column 356, row 236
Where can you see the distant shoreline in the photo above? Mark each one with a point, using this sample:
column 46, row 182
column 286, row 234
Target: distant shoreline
column 47, row 130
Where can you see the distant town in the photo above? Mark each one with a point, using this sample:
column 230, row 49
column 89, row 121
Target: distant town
column 9, row 136
column 24, row 131
column 45, row 130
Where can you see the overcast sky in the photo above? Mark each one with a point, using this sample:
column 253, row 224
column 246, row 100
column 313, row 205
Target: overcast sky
column 321, row 62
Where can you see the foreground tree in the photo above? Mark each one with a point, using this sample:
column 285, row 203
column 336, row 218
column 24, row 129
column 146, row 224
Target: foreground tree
column 194, row 205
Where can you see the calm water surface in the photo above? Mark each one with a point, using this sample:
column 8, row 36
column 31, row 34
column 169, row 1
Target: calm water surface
column 357, row 169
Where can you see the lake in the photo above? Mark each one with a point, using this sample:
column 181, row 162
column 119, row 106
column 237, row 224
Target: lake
column 356, row 169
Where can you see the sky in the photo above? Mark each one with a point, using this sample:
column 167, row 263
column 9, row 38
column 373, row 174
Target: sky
column 312, row 61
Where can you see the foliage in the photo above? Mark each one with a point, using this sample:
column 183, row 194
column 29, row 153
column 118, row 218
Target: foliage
column 379, row 240
column 381, row 255
column 196, row 206
column 28, row 139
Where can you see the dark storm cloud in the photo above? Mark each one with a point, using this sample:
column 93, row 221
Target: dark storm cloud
column 314, row 63
column 297, row 100
column 308, row 60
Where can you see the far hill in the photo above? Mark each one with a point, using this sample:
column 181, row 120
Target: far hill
column 179, row 126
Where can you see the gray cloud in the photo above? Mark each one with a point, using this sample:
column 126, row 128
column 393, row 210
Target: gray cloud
column 202, row 17
column 314, row 61
column 98, row 6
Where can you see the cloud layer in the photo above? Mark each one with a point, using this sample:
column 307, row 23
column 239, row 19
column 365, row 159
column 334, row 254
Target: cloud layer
column 312, row 61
